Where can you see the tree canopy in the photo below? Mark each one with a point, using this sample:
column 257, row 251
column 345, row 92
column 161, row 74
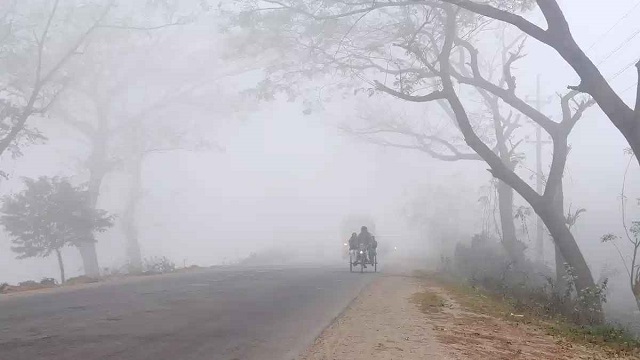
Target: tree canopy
column 49, row 214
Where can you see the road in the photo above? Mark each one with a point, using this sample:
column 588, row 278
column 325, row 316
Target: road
column 216, row 314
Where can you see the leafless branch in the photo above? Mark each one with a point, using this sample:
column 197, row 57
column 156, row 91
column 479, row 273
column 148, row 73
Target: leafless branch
column 368, row 7
column 571, row 116
column 425, row 143
column 18, row 126
column 505, row 94
column 433, row 96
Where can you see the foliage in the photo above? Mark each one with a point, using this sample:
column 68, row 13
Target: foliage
column 528, row 286
column 158, row 265
column 632, row 235
column 49, row 215
column 44, row 42
column 535, row 306
column 317, row 39
column 48, row 281
column 83, row 279
column 585, row 302
column 484, row 261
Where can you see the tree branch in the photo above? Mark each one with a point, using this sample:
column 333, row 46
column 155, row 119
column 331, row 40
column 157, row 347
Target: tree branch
column 371, row 7
column 559, row 37
column 505, row 16
column 570, row 117
column 65, row 58
column 499, row 169
column 433, row 96
column 37, row 86
column 423, row 145
column 506, row 95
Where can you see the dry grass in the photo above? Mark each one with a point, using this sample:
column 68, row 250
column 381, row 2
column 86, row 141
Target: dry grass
column 428, row 302
column 614, row 342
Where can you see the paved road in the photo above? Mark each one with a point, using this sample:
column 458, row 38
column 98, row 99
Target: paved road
column 218, row 314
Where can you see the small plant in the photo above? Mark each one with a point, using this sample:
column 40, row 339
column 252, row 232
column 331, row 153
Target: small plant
column 48, row 282
column 28, row 283
column 586, row 303
column 158, row 265
column 529, row 287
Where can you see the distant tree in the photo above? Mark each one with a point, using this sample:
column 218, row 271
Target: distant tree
column 48, row 215
column 43, row 49
column 41, row 42
column 173, row 112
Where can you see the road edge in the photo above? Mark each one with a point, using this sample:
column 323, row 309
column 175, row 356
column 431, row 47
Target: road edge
column 296, row 353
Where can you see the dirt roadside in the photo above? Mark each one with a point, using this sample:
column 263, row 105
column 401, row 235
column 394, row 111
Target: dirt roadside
column 402, row 317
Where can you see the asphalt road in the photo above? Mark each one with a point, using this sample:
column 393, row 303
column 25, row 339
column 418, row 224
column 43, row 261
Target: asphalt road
column 217, row 314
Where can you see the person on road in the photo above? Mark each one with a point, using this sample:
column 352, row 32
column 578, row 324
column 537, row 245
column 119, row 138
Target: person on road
column 365, row 240
column 353, row 241
column 373, row 249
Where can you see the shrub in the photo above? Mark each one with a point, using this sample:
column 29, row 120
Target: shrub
column 48, row 282
column 529, row 287
column 158, row 265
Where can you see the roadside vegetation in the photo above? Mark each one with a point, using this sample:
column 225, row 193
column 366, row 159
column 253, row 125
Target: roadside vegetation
column 160, row 265
column 537, row 308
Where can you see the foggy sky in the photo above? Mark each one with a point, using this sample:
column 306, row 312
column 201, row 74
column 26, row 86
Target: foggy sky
column 287, row 179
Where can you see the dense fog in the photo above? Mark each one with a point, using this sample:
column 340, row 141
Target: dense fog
column 224, row 174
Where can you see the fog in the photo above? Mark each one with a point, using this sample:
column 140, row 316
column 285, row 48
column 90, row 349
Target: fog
column 275, row 176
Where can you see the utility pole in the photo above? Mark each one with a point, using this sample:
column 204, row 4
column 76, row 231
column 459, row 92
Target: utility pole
column 539, row 103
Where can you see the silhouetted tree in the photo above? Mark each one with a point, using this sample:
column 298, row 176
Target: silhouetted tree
column 42, row 43
column 49, row 215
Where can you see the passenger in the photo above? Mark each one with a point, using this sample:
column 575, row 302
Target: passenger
column 373, row 249
column 365, row 239
column 353, row 241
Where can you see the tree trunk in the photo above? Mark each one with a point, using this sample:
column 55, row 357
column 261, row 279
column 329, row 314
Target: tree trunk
column 98, row 165
column 89, row 259
column 560, row 261
column 514, row 248
column 88, row 248
column 61, row 266
column 567, row 245
column 561, row 272
column 130, row 226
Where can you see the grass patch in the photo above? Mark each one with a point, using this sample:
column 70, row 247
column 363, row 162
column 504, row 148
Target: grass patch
column 428, row 302
column 615, row 341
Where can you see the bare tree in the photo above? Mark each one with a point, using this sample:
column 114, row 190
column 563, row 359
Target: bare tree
column 173, row 113
column 438, row 147
column 558, row 36
column 36, row 75
column 107, row 25
column 417, row 43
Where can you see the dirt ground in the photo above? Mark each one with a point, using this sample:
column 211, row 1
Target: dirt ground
column 401, row 317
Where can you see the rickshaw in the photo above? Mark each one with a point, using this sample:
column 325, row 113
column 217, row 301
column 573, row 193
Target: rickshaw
column 363, row 256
